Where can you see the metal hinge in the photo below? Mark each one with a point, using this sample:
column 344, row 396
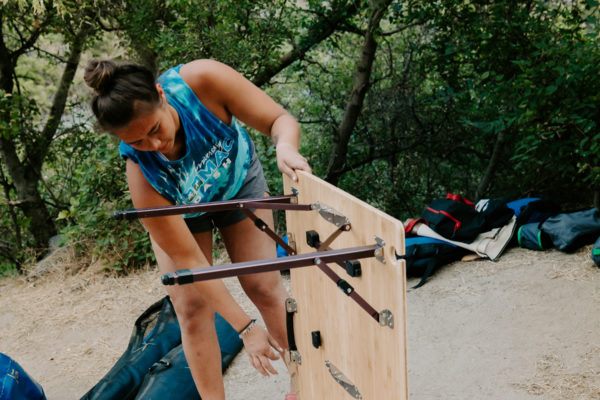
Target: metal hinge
column 386, row 318
column 343, row 380
column 331, row 215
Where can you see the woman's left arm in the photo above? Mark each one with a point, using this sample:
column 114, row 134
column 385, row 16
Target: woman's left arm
column 226, row 93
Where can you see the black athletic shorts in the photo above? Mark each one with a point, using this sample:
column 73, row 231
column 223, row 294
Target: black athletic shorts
column 254, row 186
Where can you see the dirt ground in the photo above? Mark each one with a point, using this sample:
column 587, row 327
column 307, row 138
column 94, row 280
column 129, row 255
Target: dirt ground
column 525, row 327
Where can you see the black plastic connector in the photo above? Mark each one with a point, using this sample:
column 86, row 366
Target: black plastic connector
column 353, row 268
column 316, row 339
column 345, row 286
column 260, row 224
column 312, row 239
column 168, row 279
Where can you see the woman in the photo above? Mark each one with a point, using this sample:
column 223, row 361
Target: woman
column 183, row 144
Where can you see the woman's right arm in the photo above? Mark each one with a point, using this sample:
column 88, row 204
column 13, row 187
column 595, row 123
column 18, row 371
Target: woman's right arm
column 173, row 236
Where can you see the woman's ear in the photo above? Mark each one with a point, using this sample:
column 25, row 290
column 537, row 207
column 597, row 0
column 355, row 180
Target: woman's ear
column 161, row 93
column 160, row 90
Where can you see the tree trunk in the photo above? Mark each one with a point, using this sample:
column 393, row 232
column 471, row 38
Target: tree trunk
column 25, row 181
column 358, row 93
column 26, row 174
column 492, row 165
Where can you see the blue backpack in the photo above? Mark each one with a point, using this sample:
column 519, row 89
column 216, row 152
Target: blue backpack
column 15, row 383
column 532, row 209
column 425, row 255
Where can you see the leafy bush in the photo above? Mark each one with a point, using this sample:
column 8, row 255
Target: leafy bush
column 101, row 189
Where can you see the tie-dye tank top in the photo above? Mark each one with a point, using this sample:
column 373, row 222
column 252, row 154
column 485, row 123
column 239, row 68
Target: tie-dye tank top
column 217, row 155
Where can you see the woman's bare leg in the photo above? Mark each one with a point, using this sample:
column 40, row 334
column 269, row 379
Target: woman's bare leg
column 244, row 242
column 196, row 319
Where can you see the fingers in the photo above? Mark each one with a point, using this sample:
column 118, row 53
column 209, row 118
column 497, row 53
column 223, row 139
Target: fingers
column 267, row 365
column 254, row 360
column 289, row 161
column 261, row 348
column 289, row 167
column 289, row 172
column 276, row 346
column 302, row 165
column 262, row 365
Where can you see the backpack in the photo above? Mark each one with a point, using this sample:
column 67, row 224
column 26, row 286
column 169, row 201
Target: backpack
column 454, row 218
column 531, row 236
column 424, row 255
column 566, row 231
column 15, row 383
column 570, row 231
column 532, row 209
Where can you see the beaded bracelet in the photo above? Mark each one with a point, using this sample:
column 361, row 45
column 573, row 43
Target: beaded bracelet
column 247, row 328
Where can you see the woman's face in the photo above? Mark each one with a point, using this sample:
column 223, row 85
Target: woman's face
column 153, row 130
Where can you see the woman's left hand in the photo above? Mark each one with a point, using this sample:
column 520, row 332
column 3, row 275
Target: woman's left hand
column 261, row 346
column 289, row 160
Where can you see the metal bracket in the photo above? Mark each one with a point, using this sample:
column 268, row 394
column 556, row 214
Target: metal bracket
column 290, row 305
column 295, row 357
column 379, row 251
column 331, row 215
column 294, row 198
column 343, row 380
column 386, row 318
column 292, row 242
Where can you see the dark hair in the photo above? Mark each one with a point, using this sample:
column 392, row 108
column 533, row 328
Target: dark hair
column 118, row 87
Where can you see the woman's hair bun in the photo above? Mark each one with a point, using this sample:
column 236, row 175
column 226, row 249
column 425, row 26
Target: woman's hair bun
column 99, row 74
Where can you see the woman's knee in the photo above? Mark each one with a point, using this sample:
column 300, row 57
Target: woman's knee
column 192, row 311
column 265, row 289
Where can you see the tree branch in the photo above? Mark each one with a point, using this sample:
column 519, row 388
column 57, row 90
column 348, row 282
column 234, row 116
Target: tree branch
column 358, row 93
column 319, row 31
column 60, row 99
column 28, row 43
column 401, row 28
column 51, row 55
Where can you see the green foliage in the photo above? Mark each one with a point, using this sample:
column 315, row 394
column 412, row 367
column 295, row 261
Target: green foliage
column 455, row 81
column 524, row 69
column 245, row 36
column 17, row 126
column 442, row 93
column 100, row 189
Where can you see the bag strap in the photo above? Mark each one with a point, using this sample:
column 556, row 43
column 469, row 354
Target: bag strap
column 459, row 198
column 428, row 271
column 411, row 224
column 447, row 214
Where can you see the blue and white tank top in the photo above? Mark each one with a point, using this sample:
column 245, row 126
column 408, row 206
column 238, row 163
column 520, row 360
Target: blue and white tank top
column 217, row 155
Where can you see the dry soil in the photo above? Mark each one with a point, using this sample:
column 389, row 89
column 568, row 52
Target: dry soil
column 525, row 327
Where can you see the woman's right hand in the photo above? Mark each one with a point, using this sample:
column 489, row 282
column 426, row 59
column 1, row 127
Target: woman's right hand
column 289, row 160
column 261, row 346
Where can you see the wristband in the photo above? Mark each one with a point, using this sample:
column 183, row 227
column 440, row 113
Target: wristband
column 247, row 328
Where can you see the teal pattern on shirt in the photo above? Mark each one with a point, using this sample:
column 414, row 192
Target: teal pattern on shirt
column 217, row 155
